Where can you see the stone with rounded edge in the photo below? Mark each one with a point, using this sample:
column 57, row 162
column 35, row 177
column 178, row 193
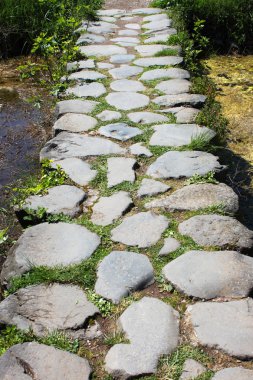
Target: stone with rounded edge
column 74, row 122
column 127, row 100
column 126, row 85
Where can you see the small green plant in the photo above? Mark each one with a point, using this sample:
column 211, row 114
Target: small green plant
column 115, row 338
column 198, row 179
column 200, row 142
column 3, row 235
column 166, row 52
column 105, row 307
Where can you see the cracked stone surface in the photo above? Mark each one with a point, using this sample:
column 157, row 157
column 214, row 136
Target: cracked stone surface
column 143, row 229
column 158, row 61
column 140, row 150
column 175, row 164
column 217, row 230
column 174, row 86
column 108, row 115
column 74, row 122
column 27, row 360
column 120, row 169
column 75, row 106
column 122, row 58
column 127, row 100
column 173, row 73
column 121, row 273
column 170, row 245
column 94, row 90
column 86, row 75
column 125, row 72
column 109, row 209
column 49, row 245
column 199, row 196
column 207, row 275
column 152, row 328
column 102, row 50
column 126, row 85
column 194, row 100
column 234, row 373
column 150, row 187
column 192, row 369
column 146, row 117
column 56, row 307
column 225, row 326
column 120, row 131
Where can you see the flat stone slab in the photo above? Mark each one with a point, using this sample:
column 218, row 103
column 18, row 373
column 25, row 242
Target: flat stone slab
column 173, row 73
column 49, row 245
column 108, row 115
column 146, row 11
column 140, row 150
column 66, row 145
column 225, row 326
column 78, row 170
column 192, row 369
column 120, row 169
column 27, row 360
column 105, row 65
column 122, row 58
column 125, row 72
column 121, row 273
column 150, row 187
column 143, row 229
column 126, row 85
column 133, row 40
column 120, row 131
column 174, row 86
column 56, row 307
column 199, row 196
column 84, row 75
column 157, row 17
column 217, row 230
column 133, row 26
column 111, row 12
column 157, row 24
column 146, row 117
column 152, row 328
column 64, row 199
column 234, row 373
column 102, row 50
column 150, row 50
column 183, row 114
column 170, row 245
column 158, row 61
column 194, row 100
column 218, row 274
column 127, row 101
column 128, row 32
column 89, row 38
column 109, row 209
column 160, row 31
column 175, row 164
column 179, row 134
column 83, row 64
column 75, row 106
column 94, row 90
column 159, row 38
column 74, row 122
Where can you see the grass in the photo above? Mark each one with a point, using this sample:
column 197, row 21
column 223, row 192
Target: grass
column 167, row 52
column 115, row 338
column 201, row 142
column 199, row 179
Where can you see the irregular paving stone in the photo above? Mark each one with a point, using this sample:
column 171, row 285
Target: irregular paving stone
column 158, row 61
column 179, row 134
column 101, row 30
column 121, row 273
column 224, row 325
column 108, row 19
column 98, row 24
column 146, row 117
column 56, row 307
column 126, row 39
column 78, row 171
column 160, row 32
column 119, row 131
column 217, row 230
column 151, row 187
column 158, row 38
column 192, row 369
column 108, row 115
column 158, row 17
column 127, row 100
column 62, row 199
column 87, row 64
column 49, row 245
column 122, row 58
column 146, row 11
column 234, row 373
column 75, row 106
column 27, row 360
column 126, row 44
column 89, row 38
column 175, row 164
column 157, row 24
column 133, row 26
column 108, row 209
column 86, row 75
column 199, row 196
column 170, row 245
column 94, row 90
column 74, row 122
column 208, row 275
column 152, row 328
column 149, row 50
column 111, row 12
column 102, row 50
column 105, row 65
column 180, row 99
column 128, row 32
column 125, row 71
column 139, row 150
column 143, row 229
column 174, row 86
column 165, row 73
column 126, row 85
column 66, row 145
column 187, row 115
column 120, row 169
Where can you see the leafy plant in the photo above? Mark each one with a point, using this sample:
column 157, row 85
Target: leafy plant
column 115, row 338
column 198, row 179
column 3, row 235
column 105, row 307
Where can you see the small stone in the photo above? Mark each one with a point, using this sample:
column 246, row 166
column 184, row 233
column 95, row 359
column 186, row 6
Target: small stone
column 109, row 209
column 146, row 11
column 150, row 187
column 133, row 40
column 150, row 50
column 217, row 230
column 75, row 106
column 125, row 72
column 74, row 122
column 102, row 50
column 121, row 273
column 119, row 131
column 87, row 64
column 187, row 115
column 133, row 26
column 170, row 245
column 143, row 229
column 105, row 65
column 139, row 150
column 157, row 24
column 152, row 328
column 122, row 58
column 78, row 171
column 128, row 32
column 225, row 326
column 56, row 307
column 174, row 86
column 89, row 38
column 160, row 38
column 199, row 196
column 94, row 90
column 209, row 275
column 86, row 75
column 127, row 100
column 165, row 73
column 120, row 169
column 192, row 369
column 180, row 99
column 146, row 117
column 158, row 61
column 92, row 198
column 38, row 361
column 126, row 85
column 234, row 373
column 109, row 115
column 49, row 245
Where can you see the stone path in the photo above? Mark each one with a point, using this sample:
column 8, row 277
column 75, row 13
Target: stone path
column 123, row 135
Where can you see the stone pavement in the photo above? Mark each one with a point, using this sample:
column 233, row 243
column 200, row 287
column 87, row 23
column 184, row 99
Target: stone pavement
column 123, row 135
